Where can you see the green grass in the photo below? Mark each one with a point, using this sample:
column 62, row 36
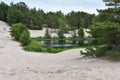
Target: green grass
column 35, row 46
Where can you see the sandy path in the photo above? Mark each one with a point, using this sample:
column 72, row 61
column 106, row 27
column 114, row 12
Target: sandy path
column 16, row 64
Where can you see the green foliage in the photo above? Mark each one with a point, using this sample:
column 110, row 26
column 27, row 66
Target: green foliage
column 62, row 26
column 81, row 32
column 106, row 32
column 79, row 19
column 35, row 47
column 25, row 37
column 74, row 35
column 105, row 15
column 100, row 51
column 47, row 35
column 34, row 19
column 115, row 3
column 16, row 30
column 89, row 52
column 54, row 50
column 51, row 20
column 81, row 35
column 14, row 15
column 110, row 14
column 20, row 13
column 3, row 11
column 27, row 15
column 109, row 35
column 37, row 19
column 20, row 33
column 61, row 31
column 95, row 52
column 97, row 27
column 113, row 54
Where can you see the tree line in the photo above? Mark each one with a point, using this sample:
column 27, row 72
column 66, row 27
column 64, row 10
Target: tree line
column 36, row 18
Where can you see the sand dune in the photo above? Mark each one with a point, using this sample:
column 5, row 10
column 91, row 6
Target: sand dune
column 16, row 64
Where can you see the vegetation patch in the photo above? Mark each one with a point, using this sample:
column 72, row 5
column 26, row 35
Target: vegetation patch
column 108, row 34
column 20, row 33
column 35, row 47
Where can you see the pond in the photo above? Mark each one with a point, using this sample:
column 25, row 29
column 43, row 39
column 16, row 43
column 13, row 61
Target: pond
column 57, row 45
column 66, row 45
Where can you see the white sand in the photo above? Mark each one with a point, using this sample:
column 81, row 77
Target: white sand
column 16, row 64
column 40, row 33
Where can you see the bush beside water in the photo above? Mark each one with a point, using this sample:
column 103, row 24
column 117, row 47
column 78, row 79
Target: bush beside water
column 35, row 47
column 20, row 33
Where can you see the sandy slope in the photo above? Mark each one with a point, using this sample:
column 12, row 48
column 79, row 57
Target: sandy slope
column 16, row 64
column 40, row 33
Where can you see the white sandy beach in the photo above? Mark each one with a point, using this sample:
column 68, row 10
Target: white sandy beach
column 16, row 64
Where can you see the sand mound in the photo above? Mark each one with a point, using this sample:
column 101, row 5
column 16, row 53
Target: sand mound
column 3, row 27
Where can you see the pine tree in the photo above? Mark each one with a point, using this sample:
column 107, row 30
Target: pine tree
column 115, row 3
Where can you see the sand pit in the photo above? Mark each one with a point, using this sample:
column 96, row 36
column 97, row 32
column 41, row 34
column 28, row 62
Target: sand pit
column 16, row 64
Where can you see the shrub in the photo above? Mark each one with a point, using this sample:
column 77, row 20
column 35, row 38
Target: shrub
column 49, row 49
column 89, row 52
column 48, row 36
column 81, row 32
column 100, row 52
column 95, row 52
column 25, row 37
column 81, row 35
column 35, row 46
column 47, row 33
column 74, row 35
column 16, row 30
column 54, row 50
column 113, row 54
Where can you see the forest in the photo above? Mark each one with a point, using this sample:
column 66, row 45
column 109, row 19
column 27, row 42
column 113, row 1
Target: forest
column 37, row 18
